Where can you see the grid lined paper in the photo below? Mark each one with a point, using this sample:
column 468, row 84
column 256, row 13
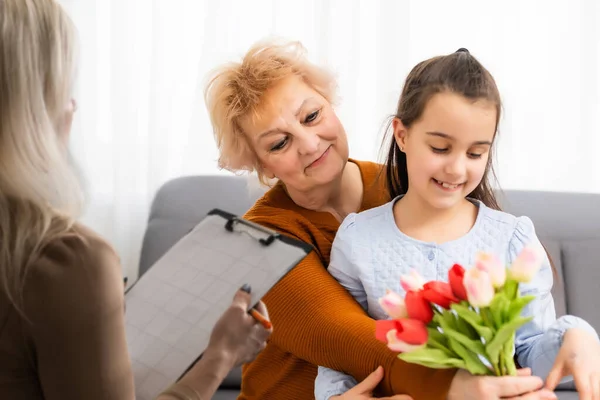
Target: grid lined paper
column 172, row 309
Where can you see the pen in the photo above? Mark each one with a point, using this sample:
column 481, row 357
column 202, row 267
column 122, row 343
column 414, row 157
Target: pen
column 255, row 314
column 260, row 318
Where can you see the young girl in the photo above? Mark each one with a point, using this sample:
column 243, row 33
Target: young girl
column 444, row 211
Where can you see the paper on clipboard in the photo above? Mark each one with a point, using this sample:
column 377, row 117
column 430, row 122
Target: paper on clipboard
column 172, row 309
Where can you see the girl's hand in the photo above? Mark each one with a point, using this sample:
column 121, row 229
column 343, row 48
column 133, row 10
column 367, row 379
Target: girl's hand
column 579, row 356
column 522, row 387
column 364, row 390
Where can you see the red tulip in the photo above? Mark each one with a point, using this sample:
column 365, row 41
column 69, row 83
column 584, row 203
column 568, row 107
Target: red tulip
column 409, row 335
column 456, row 276
column 382, row 327
column 439, row 293
column 417, row 307
column 402, row 335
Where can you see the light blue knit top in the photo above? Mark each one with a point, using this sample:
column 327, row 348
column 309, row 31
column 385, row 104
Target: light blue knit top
column 370, row 253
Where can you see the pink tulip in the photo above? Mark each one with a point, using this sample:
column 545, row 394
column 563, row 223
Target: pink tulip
column 413, row 281
column 493, row 266
column 393, row 305
column 527, row 264
column 480, row 290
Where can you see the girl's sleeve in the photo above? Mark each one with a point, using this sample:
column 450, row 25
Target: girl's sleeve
column 537, row 343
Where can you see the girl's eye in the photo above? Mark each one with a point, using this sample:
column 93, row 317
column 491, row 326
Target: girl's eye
column 438, row 150
column 311, row 117
column 474, row 155
column 279, row 145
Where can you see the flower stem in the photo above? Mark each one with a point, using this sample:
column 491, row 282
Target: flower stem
column 496, row 370
column 487, row 320
column 502, row 365
column 485, row 315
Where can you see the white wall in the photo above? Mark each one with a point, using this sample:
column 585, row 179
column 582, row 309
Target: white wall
column 142, row 119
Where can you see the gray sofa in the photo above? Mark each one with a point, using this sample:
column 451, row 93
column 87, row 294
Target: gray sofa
column 568, row 224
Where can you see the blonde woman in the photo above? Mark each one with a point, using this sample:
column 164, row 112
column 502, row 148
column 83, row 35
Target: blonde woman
column 62, row 330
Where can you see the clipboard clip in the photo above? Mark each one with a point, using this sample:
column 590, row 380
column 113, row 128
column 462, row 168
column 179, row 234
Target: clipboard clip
column 233, row 221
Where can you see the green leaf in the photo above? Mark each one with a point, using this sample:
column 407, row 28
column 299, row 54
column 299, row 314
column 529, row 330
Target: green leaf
column 449, row 319
column 507, row 353
column 494, row 346
column 432, row 358
column 446, row 322
column 466, row 328
column 453, row 334
column 437, row 340
column 464, row 310
column 510, row 287
column 475, row 320
column 474, row 345
column 472, row 363
column 516, row 306
column 449, row 363
column 498, row 309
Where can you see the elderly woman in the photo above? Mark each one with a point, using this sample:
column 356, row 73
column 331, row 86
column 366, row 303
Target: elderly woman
column 62, row 327
column 273, row 114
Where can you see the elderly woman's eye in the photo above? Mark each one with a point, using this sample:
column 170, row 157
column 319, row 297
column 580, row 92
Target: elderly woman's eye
column 279, row 145
column 311, row 117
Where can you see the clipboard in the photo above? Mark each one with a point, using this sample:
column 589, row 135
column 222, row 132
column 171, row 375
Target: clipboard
column 172, row 309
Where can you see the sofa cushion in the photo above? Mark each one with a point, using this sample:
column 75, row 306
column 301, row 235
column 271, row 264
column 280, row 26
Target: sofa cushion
column 233, row 380
column 183, row 202
column 581, row 279
column 558, row 288
column 226, row 394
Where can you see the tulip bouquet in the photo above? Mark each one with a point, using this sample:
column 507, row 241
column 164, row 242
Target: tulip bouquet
column 468, row 322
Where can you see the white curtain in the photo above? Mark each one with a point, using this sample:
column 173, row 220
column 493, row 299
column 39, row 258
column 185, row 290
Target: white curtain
column 143, row 64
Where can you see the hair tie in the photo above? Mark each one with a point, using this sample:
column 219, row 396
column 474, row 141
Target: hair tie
column 462, row 50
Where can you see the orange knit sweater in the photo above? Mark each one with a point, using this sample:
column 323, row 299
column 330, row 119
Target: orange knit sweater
column 316, row 321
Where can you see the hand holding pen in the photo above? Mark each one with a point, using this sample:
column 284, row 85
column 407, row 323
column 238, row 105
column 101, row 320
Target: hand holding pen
column 240, row 335
column 259, row 315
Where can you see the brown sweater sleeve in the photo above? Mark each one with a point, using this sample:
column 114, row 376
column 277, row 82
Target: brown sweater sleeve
column 317, row 320
column 74, row 302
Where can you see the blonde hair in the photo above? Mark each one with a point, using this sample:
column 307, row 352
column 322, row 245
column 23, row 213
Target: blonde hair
column 40, row 195
column 236, row 90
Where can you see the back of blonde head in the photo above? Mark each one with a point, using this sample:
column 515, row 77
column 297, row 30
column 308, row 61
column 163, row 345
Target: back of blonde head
column 39, row 192
column 236, row 91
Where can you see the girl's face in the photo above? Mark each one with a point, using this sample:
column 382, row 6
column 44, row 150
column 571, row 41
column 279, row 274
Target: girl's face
column 447, row 149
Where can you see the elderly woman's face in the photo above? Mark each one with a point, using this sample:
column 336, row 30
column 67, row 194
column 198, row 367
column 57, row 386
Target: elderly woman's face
column 298, row 138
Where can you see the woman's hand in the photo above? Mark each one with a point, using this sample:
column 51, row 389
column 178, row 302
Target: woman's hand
column 237, row 336
column 522, row 387
column 364, row 390
column 579, row 356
